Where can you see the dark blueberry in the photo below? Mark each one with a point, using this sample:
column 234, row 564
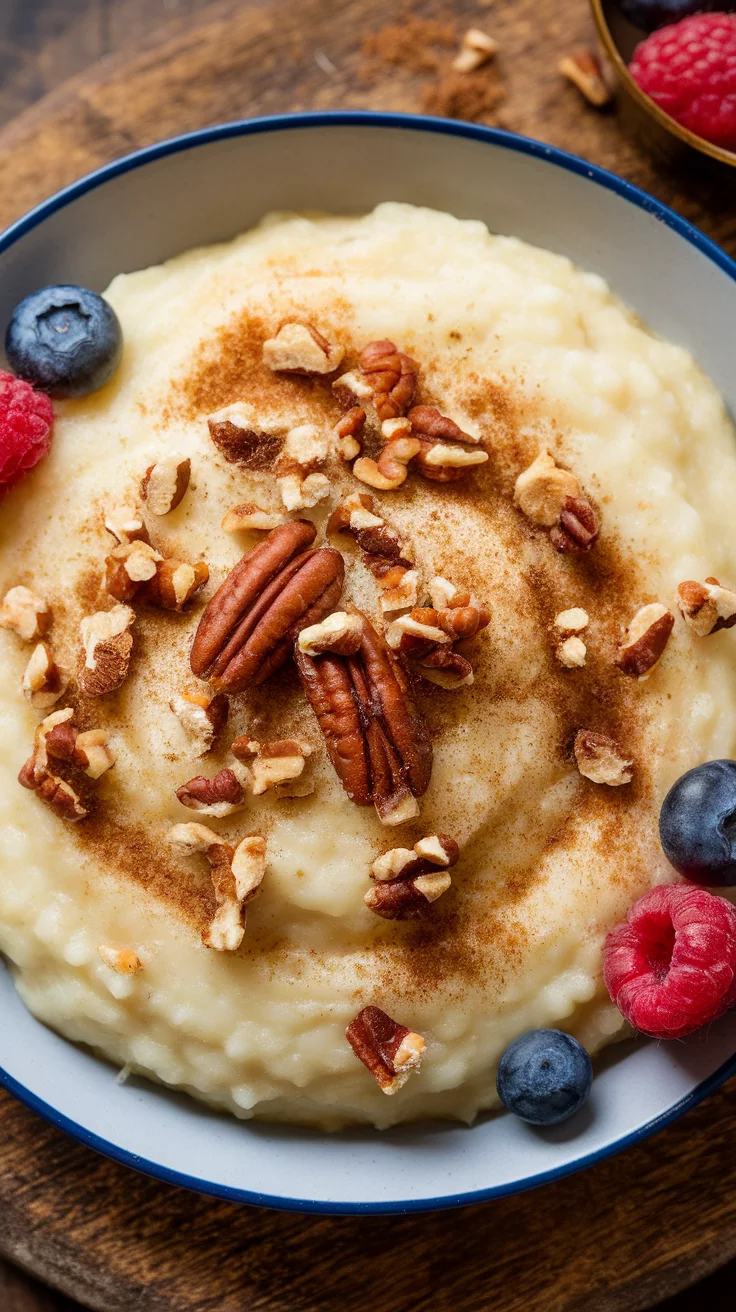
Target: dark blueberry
column 544, row 1077
column 697, row 824
column 651, row 14
column 67, row 341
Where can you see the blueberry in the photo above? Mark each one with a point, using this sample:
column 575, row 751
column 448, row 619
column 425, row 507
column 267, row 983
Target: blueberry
column 697, row 824
column 67, row 341
column 651, row 14
column 544, row 1077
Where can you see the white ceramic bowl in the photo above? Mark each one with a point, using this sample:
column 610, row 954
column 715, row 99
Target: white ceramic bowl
column 204, row 188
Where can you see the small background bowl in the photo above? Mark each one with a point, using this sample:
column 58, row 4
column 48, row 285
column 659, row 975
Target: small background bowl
column 666, row 139
column 207, row 187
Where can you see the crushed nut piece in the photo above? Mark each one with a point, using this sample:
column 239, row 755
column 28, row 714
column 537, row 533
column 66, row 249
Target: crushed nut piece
column 407, row 899
column 348, row 433
column 107, row 649
column 572, row 653
column 390, row 470
column 219, row 796
column 201, row 717
column 441, row 592
column 476, row 49
column 302, row 494
column 306, row 446
column 125, row 525
column 176, row 583
column 542, row 489
column 91, row 752
column 122, row 960
column 583, row 68
column 706, row 607
column 298, row 348
column 43, row 682
column 409, row 881
column 237, row 874
column 245, row 438
column 399, row 588
column 252, row 516
column 392, row 377
column 577, row 530
column 25, row 613
column 352, row 387
column 165, row 483
column 410, row 633
column 340, row 633
column 442, row 456
column 390, row 1051
column 391, row 428
column 427, row 854
column 62, row 799
column 573, row 620
column 599, row 759
column 646, row 639
column 278, row 763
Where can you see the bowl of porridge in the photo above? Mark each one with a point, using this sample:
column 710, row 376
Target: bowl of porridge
column 354, row 633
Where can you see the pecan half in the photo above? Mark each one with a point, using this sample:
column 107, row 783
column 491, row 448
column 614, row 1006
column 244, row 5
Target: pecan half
column 237, row 874
column 375, row 737
column 599, row 759
column 706, row 607
column 392, row 377
column 25, row 613
column 219, row 796
column 248, row 629
column 389, row 1050
column 646, row 639
column 578, row 527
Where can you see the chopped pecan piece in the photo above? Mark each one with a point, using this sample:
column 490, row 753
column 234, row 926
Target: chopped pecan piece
column 340, row 633
column 298, row 348
column 278, row 764
column 398, row 589
column 375, row 738
column 441, row 592
column 175, row 583
column 36, row 774
column 542, row 490
column 392, row 377
column 599, row 758
column 252, row 516
column 390, row 470
column 390, row 1051
column 442, row 463
column 128, row 567
column 417, row 633
column 278, row 588
column 43, row 681
column 407, row 899
column 352, row 387
column 349, row 433
column 428, row 423
column 107, row 649
column 583, row 68
column 237, row 874
column 476, row 49
column 305, row 448
column 646, row 639
column 447, row 668
column 219, row 796
column 244, row 439
column 302, row 493
column 25, row 613
column 409, row 881
column 165, row 483
column 122, row 960
column 125, row 525
column 87, row 751
column 201, row 717
column 578, row 527
column 706, row 607
column 62, row 799
column 573, row 620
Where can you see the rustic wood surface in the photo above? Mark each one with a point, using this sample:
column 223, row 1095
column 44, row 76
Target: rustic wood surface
column 619, row 1237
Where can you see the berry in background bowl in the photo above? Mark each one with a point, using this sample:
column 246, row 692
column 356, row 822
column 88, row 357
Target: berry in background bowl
column 675, row 62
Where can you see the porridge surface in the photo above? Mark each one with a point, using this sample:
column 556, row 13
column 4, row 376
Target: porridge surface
column 517, row 345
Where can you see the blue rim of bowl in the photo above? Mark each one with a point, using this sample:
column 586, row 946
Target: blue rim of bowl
column 506, row 141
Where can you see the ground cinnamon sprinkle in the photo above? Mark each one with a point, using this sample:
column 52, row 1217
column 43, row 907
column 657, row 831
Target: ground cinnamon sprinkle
column 408, row 45
column 470, row 96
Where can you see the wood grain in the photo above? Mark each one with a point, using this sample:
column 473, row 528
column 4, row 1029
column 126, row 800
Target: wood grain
column 621, row 1236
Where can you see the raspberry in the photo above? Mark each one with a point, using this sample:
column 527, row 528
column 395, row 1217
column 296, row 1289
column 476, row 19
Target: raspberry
column 671, row 967
column 689, row 70
column 26, row 424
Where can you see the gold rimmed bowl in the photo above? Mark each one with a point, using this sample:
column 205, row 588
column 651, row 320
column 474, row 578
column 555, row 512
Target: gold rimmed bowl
column 668, row 140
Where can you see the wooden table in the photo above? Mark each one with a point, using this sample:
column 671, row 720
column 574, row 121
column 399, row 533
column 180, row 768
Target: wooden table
column 618, row 1237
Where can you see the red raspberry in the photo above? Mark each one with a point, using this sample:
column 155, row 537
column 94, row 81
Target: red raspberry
column 671, row 967
column 689, row 70
column 26, row 425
